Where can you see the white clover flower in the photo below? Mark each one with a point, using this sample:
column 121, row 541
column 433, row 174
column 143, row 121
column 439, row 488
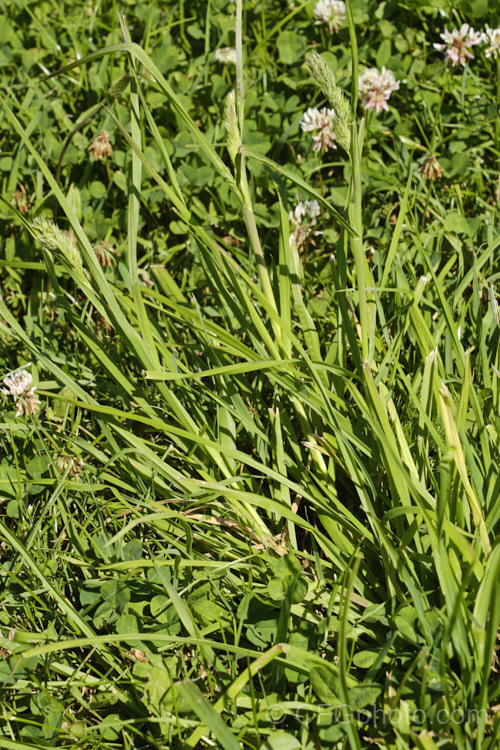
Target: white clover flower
column 376, row 87
column 226, row 55
column 304, row 217
column 310, row 119
column 305, row 210
column 491, row 37
column 19, row 386
column 431, row 169
column 18, row 383
column 101, row 147
column 330, row 12
column 322, row 121
column 457, row 43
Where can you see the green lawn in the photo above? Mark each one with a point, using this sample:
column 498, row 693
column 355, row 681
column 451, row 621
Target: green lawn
column 249, row 345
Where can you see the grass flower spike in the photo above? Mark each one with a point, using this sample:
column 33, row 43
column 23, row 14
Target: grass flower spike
column 492, row 38
column 231, row 126
column 457, row 43
column 340, row 116
column 20, row 387
column 51, row 237
column 376, row 88
column 330, row 12
column 250, row 379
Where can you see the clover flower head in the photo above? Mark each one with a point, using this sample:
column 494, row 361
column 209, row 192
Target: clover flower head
column 320, row 120
column 17, row 383
column 105, row 254
column 101, row 147
column 431, row 169
column 20, row 201
column 73, row 465
column 304, row 217
column 457, row 43
column 375, row 88
column 309, row 210
column 330, row 12
column 226, row 55
column 19, row 386
column 492, row 38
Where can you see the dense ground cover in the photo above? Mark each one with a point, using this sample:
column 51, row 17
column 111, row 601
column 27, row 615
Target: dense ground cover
column 249, row 344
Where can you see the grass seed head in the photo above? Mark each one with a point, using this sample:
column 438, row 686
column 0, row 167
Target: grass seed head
column 118, row 88
column 231, row 126
column 54, row 239
column 342, row 115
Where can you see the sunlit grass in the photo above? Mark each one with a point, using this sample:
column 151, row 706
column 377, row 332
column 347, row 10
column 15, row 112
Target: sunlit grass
column 259, row 503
